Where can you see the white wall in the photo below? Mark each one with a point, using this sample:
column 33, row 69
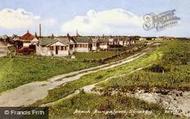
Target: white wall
column 141, row 39
column 61, row 53
column 103, row 46
column 26, row 44
column 80, row 49
column 44, row 51
column 3, row 51
column 94, row 46
column 121, row 43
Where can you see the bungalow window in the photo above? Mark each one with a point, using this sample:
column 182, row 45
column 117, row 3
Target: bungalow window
column 63, row 48
column 51, row 48
column 84, row 45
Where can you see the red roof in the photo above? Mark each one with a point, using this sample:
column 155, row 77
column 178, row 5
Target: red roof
column 27, row 37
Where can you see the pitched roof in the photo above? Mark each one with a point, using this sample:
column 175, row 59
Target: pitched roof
column 95, row 40
column 46, row 41
column 49, row 41
column 103, row 40
column 83, row 39
column 63, row 40
column 27, row 37
column 4, row 37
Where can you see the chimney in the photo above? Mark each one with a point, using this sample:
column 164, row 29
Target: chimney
column 68, row 36
column 52, row 35
column 40, row 30
column 36, row 35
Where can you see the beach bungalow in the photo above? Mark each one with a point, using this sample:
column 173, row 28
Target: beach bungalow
column 83, row 44
column 142, row 39
column 55, row 46
column 113, row 41
column 95, row 44
column 123, row 41
column 103, row 43
column 26, row 41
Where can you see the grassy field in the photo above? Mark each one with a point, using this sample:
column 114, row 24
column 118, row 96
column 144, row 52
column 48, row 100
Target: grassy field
column 19, row 70
column 25, row 69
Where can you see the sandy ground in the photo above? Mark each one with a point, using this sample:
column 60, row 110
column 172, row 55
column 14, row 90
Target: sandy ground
column 174, row 101
column 177, row 102
column 29, row 93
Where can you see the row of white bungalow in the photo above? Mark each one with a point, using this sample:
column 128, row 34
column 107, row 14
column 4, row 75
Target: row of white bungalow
column 66, row 45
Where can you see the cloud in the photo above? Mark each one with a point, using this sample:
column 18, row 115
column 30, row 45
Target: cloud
column 112, row 21
column 20, row 18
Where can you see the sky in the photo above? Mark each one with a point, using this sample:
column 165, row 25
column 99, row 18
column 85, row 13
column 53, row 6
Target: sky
column 90, row 17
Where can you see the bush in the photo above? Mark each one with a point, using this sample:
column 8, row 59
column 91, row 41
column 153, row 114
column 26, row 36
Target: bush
column 157, row 68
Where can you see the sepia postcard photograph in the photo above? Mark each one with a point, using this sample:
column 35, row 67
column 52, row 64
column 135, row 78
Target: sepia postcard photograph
column 94, row 59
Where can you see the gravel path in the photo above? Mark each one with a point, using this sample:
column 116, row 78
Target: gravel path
column 87, row 89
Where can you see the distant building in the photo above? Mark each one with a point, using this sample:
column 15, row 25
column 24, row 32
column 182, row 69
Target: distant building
column 103, row 43
column 26, row 41
column 3, row 48
column 124, row 41
column 95, row 44
column 67, row 45
column 142, row 39
column 83, row 44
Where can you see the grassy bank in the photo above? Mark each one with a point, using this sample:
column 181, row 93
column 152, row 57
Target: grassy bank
column 172, row 71
column 25, row 69
column 110, row 55
column 20, row 70
column 95, row 55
